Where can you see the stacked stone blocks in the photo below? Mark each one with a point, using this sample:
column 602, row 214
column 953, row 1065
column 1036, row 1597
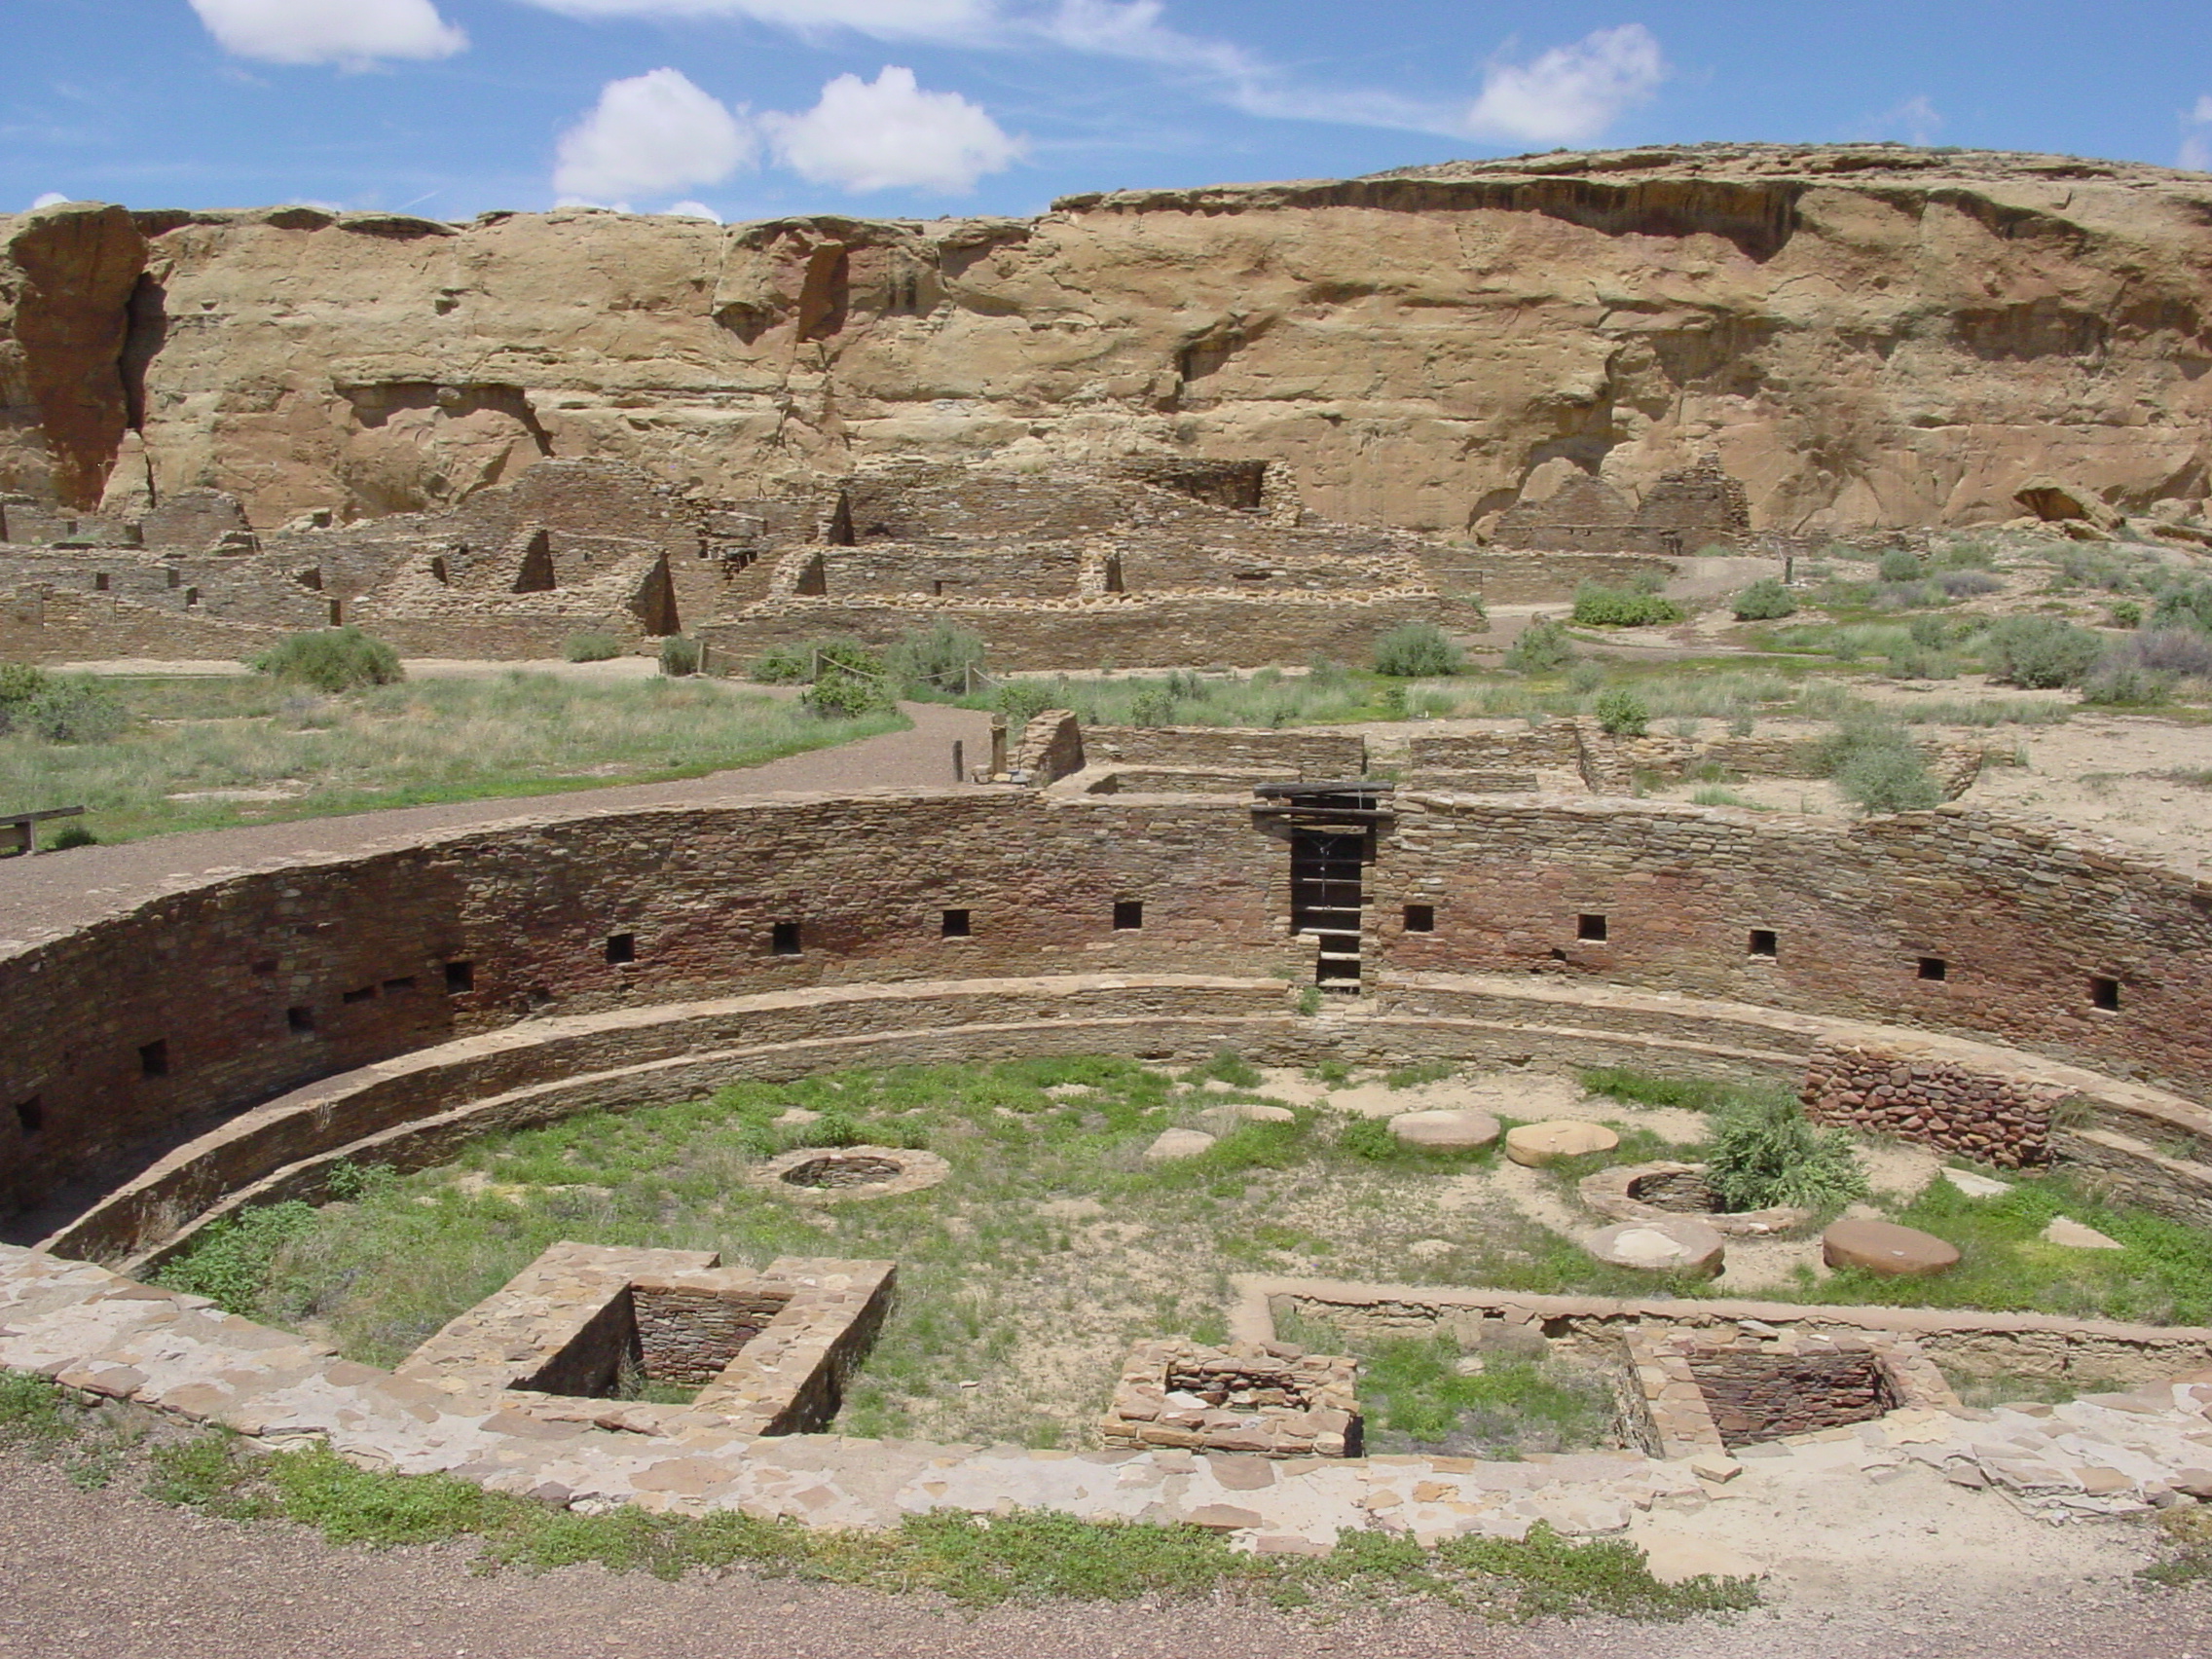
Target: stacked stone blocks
column 1268, row 1399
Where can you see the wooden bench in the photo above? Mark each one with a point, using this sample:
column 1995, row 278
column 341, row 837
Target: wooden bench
column 18, row 829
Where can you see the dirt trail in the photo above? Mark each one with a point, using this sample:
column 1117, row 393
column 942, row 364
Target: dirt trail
column 68, row 890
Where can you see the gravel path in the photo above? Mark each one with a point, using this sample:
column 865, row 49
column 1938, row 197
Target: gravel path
column 111, row 1575
column 56, row 892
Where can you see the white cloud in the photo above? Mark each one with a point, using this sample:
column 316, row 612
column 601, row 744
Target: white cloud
column 690, row 211
column 2195, row 154
column 1572, row 94
column 2202, row 113
column 653, row 133
column 348, row 32
column 1916, row 121
column 889, row 134
column 52, row 199
column 900, row 20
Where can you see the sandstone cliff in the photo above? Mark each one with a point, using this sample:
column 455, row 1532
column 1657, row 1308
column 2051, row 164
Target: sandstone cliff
column 1865, row 336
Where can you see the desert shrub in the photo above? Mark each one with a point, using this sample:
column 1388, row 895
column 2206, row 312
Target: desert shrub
column 1764, row 1153
column 2119, row 683
column 331, row 659
column 1154, row 706
column 843, row 696
column 72, row 835
column 1916, row 661
column 1597, row 606
column 1622, row 713
column 1022, row 701
column 938, row 658
column 1967, row 584
column 1967, row 556
column 680, row 656
column 2125, row 614
column 1880, row 769
column 1417, row 650
column 75, row 709
column 2179, row 652
column 1902, row 565
column 1543, row 647
column 20, row 685
column 782, row 665
column 2184, row 604
column 2039, row 653
column 1764, row 601
column 591, row 648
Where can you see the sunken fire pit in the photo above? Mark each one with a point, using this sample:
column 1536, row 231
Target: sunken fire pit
column 1266, row 1398
column 821, row 1173
column 1652, row 1191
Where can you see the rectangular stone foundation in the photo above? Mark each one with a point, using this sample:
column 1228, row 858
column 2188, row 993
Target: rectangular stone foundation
column 1708, row 1390
column 769, row 1348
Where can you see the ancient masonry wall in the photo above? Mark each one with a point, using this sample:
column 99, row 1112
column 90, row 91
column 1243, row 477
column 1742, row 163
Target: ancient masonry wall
column 1992, row 1119
column 205, row 1002
column 1133, row 630
column 1944, row 921
column 1313, row 756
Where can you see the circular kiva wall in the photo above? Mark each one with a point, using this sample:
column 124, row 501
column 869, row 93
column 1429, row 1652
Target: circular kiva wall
column 200, row 1043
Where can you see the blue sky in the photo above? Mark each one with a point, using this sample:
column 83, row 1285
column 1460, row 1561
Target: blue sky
column 750, row 108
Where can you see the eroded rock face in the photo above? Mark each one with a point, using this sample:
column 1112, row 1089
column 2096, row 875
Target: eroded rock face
column 1862, row 335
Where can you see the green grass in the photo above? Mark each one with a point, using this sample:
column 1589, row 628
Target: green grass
column 974, row 1562
column 2162, row 1276
column 1052, row 1247
column 404, row 744
column 1417, row 1399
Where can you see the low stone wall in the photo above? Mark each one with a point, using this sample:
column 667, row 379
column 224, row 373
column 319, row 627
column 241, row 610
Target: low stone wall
column 1993, row 1118
column 1157, row 630
column 1313, row 756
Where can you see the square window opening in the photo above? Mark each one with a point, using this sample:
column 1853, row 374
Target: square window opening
column 621, row 947
column 1934, row 968
column 299, row 1020
column 2104, row 993
column 1590, row 926
column 405, row 983
column 957, row 924
column 783, row 939
column 30, row 1115
column 154, row 1058
column 1129, row 915
column 459, row 976
column 1764, row 943
column 364, row 993
column 1421, row 918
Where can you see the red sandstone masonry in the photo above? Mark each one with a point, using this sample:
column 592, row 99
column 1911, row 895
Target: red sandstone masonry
column 1994, row 1119
column 2022, row 918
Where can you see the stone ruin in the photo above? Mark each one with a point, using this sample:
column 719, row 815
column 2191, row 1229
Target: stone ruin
column 769, row 1350
column 1151, row 562
column 1710, row 1390
column 1688, row 510
column 1269, row 1399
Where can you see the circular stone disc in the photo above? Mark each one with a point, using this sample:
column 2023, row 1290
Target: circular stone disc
column 1178, row 1143
column 1539, row 1144
column 1884, row 1247
column 1465, row 1131
column 1674, row 1245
